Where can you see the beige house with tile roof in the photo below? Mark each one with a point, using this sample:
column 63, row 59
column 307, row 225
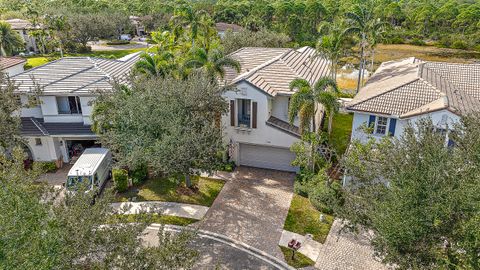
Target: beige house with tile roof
column 257, row 125
column 409, row 89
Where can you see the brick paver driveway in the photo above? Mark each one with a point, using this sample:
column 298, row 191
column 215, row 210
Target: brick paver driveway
column 252, row 208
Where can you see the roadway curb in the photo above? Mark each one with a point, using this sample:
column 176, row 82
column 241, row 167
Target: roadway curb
column 275, row 262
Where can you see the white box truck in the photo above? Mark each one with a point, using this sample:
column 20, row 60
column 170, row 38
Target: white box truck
column 92, row 167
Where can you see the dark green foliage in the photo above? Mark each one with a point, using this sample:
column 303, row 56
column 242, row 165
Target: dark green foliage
column 120, row 178
column 48, row 166
column 422, row 218
column 460, row 44
column 139, row 174
column 417, row 42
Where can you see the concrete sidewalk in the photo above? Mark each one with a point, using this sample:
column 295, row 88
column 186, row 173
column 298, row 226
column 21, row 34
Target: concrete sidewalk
column 309, row 248
column 163, row 208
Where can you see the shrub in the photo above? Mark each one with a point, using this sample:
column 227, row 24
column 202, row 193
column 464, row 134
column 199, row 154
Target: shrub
column 48, row 166
column 459, row 44
column 417, row 42
column 323, row 198
column 445, row 42
column 139, row 175
column 120, row 178
column 117, row 42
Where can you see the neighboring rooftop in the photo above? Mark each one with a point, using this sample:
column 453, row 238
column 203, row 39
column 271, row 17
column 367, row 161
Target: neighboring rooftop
column 8, row 62
column 272, row 69
column 223, row 27
column 409, row 87
column 76, row 75
column 20, row 24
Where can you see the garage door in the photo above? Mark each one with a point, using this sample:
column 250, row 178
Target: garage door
column 267, row 157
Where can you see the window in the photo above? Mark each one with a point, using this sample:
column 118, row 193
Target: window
column 381, row 125
column 38, row 141
column 244, row 112
column 69, row 105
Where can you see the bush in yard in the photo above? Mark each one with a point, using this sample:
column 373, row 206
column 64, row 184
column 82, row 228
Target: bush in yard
column 48, row 166
column 120, row 178
column 139, row 175
column 460, row 44
column 417, row 42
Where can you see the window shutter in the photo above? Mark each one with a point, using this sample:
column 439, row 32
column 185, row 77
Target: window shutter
column 391, row 128
column 371, row 121
column 254, row 115
column 232, row 113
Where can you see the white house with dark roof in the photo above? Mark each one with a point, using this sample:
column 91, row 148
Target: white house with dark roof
column 407, row 90
column 60, row 125
column 11, row 65
column 256, row 126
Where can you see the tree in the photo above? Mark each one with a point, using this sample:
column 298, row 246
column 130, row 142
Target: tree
column 263, row 38
column 39, row 230
column 194, row 20
column 156, row 64
column 9, row 40
column 213, row 62
column 332, row 44
column 304, row 103
column 172, row 124
column 420, row 197
column 9, row 106
column 329, row 101
column 57, row 26
column 363, row 23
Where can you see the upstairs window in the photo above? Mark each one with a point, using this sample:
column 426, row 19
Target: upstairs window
column 381, row 125
column 69, row 105
column 244, row 113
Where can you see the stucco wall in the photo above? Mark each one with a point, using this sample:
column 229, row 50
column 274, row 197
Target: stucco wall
column 14, row 70
column 44, row 152
column 263, row 134
column 50, row 111
column 439, row 118
column 32, row 111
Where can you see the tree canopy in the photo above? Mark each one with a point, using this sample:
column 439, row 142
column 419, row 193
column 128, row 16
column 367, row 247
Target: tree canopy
column 420, row 197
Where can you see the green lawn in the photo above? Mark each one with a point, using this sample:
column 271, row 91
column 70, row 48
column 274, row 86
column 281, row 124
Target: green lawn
column 153, row 218
column 303, row 218
column 113, row 54
column 169, row 191
column 300, row 259
column 341, row 131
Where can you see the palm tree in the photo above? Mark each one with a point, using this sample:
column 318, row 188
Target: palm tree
column 213, row 62
column 363, row 23
column 304, row 102
column 194, row 20
column 159, row 64
column 9, row 39
column 332, row 44
column 329, row 101
column 57, row 25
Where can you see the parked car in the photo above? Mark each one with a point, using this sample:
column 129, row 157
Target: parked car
column 126, row 37
column 93, row 167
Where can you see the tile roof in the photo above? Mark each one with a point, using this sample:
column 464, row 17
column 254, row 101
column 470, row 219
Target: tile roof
column 272, row 69
column 76, row 75
column 37, row 127
column 223, row 27
column 409, row 87
column 7, row 62
column 283, row 126
column 20, row 24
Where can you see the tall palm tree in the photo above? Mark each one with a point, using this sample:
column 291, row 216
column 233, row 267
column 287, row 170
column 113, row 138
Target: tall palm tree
column 9, row 39
column 195, row 20
column 363, row 23
column 213, row 62
column 332, row 44
column 304, row 102
column 329, row 101
column 159, row 64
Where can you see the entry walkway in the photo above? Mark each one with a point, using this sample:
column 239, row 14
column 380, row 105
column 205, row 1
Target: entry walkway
column 163, row 208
